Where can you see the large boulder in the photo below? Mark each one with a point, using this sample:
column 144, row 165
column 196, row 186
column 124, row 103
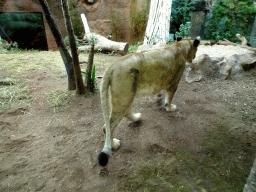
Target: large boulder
column 219, row 61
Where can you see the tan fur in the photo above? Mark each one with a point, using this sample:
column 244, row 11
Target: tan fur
column 142, row 74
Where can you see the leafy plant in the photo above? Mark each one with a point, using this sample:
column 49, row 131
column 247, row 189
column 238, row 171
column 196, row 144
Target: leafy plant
column 180, row 13
column 12, row 25
column 91, row 78
column 66, row 40
column 184, row 30
column 231, row 17
column 154, row 39
column 133, row 48
column 100, row 50
column 93, row 39
column 5, row 46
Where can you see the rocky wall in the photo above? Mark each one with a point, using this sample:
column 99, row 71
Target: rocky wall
column 98, row 13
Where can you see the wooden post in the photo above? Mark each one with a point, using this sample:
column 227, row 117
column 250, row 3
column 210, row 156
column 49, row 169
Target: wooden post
column 61, row 45
column 72, row 41
column 88, row 76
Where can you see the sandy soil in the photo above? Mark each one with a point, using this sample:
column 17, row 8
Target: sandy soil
column 47, row 149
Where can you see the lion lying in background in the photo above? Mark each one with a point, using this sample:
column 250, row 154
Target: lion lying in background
column 145, row 73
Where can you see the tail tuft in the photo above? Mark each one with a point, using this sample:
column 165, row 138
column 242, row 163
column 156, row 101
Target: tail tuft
column 103, row 159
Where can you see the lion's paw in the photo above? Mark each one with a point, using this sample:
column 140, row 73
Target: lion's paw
column 172, row 108
column 115, row 143
column 134, row 117
column 137, row 117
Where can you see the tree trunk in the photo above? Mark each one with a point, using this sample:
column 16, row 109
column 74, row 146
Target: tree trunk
column 61, row 45
column 251, row 181
column 72, row 41
column 89, row 80
column 158, row 25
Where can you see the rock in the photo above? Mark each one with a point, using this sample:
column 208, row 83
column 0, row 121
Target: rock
column 193, row 75
column 219, row 61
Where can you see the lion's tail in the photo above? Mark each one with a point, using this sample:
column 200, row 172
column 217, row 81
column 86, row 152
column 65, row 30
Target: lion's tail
column 106, row 152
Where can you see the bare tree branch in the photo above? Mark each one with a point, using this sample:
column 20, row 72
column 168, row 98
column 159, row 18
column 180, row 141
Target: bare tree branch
column 72, row 41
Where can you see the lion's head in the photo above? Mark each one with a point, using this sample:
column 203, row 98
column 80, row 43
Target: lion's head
column 192, row 52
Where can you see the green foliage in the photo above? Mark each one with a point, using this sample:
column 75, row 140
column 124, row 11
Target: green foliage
column 133, row 48
column 66, row 40
column 169, row 41
column 92, row 78
column 5, row 46
column 184, row 30
column 93, row 39
column 180, row 13
column 231, row 17
column 13, row 26
column 154, row 39
column 138, row 21
column 100, row 50
column 12, row 22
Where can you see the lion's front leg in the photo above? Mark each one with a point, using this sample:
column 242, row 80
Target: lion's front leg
column 171, row 91
column 167, row 104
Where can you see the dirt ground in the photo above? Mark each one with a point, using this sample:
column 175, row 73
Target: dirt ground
column 55, row 149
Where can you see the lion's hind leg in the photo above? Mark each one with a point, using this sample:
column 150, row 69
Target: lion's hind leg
column 115, row 119
column 132, row 116
column 168, row 106
column 118, row 112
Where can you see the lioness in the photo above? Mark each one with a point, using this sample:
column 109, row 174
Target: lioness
column 144, row 73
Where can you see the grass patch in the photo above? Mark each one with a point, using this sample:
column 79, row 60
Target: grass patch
column 222, row 164
column 227, row 157
column 13, row 96
column 17, row 64
column 167, row 174
column 58, row 98
column 134, row 48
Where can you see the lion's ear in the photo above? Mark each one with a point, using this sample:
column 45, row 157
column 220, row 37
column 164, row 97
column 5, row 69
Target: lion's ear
column 178, row 38
column 196, row 41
